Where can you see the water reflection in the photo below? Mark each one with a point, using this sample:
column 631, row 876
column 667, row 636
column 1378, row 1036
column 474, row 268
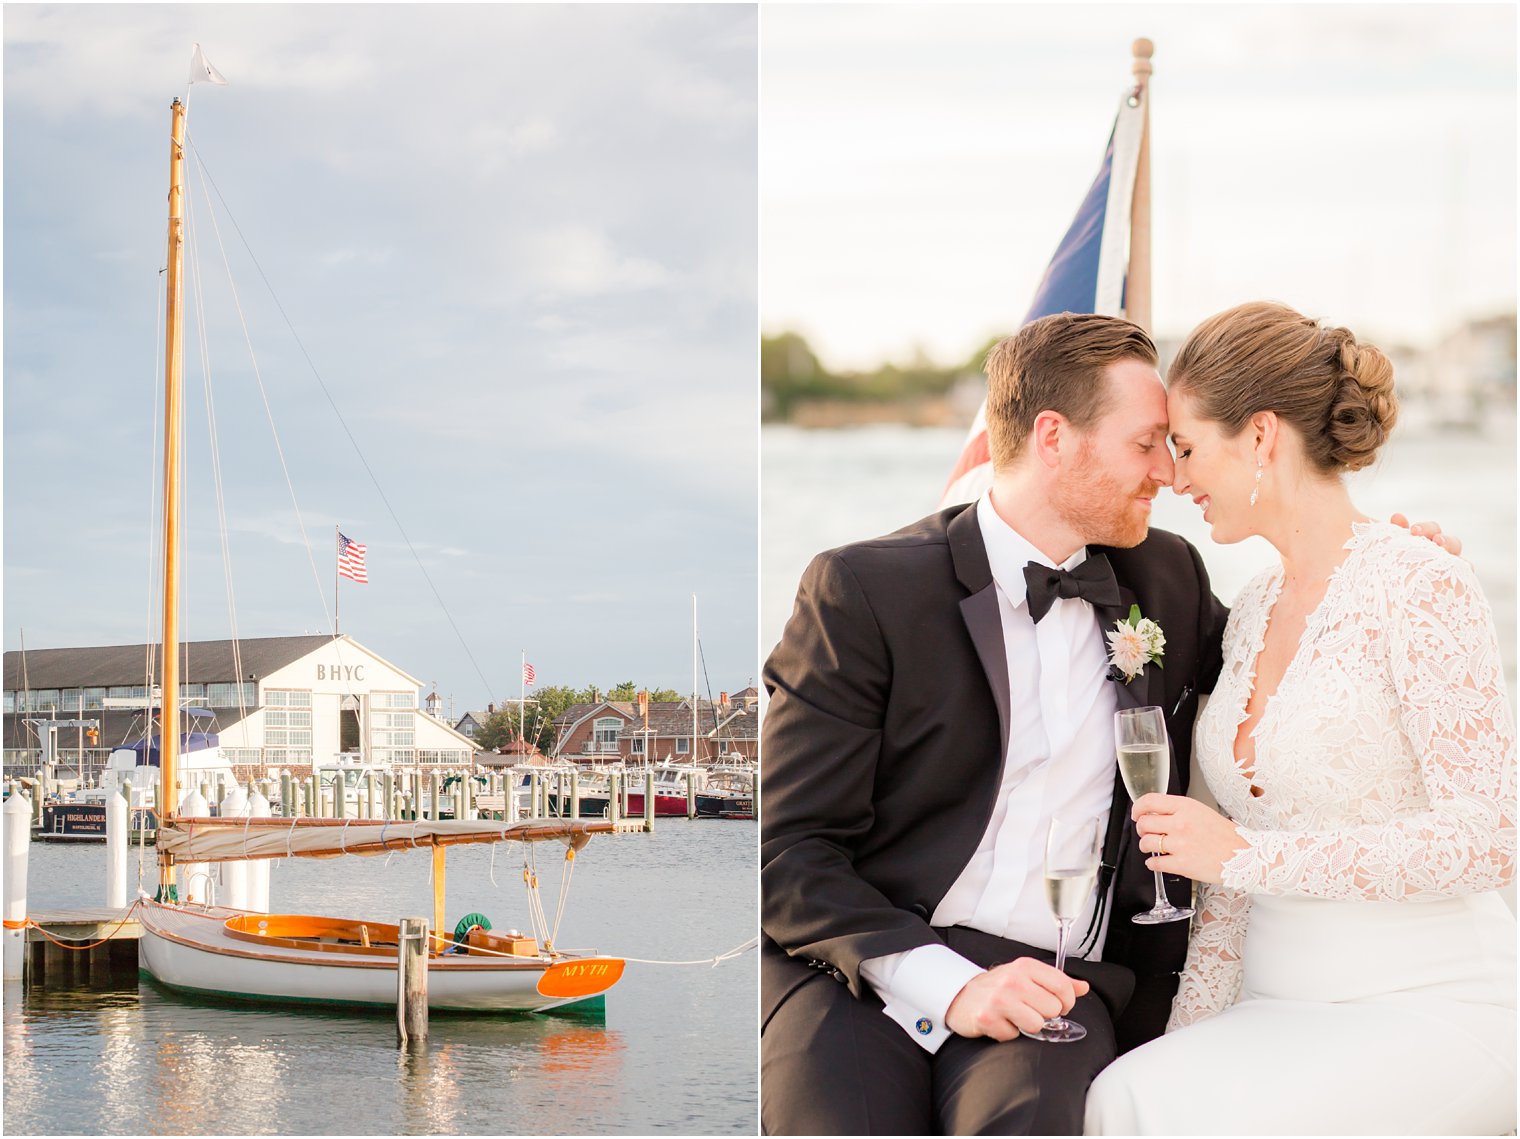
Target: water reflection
column 146, row 1060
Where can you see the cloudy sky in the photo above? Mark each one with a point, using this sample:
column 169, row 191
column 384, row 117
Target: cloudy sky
column 518, row 245
column 920, row 164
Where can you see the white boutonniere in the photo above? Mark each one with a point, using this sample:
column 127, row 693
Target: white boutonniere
column 1133, row 644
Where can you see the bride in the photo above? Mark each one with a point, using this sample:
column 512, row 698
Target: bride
column 1352, row 968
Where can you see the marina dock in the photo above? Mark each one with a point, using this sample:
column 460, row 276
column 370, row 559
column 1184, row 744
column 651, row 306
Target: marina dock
column 95, row 944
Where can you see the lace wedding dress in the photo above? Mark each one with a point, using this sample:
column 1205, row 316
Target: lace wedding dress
column 1355, row 971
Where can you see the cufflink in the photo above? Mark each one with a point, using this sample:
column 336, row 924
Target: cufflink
column 923, row 1026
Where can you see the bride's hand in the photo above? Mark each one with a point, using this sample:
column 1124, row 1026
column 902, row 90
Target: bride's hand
column 1182, row 836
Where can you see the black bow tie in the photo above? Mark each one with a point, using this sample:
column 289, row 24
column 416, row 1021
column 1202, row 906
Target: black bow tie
column 1093, row 581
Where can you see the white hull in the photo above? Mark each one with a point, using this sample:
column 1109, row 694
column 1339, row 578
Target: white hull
column 189, row 948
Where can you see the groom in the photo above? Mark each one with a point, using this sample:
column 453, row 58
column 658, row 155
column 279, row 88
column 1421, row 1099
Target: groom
column 939, row 695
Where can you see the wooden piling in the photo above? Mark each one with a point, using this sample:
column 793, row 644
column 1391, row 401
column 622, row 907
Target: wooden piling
column 412, row 981
column 649, row 803
column 691, row 794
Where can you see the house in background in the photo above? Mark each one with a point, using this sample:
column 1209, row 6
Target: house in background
column 612, row 731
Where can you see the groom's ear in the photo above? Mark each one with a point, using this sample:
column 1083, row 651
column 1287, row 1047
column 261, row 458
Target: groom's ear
column 1049, row 437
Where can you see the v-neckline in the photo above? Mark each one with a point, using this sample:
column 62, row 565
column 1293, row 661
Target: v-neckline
column 1259, row 646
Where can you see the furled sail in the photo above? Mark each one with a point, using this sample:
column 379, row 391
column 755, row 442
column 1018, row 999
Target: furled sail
column 230, row 840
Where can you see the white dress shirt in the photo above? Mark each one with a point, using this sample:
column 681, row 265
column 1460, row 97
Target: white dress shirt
column 1060, row 762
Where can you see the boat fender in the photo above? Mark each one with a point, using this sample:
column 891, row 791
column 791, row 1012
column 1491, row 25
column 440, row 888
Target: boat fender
column 467, row 923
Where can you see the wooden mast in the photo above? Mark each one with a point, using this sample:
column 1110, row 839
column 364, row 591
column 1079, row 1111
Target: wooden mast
column 169, row 714
column 1137, row 286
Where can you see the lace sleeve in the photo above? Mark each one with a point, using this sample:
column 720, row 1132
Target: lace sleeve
column 1444, row 665
column 1211, row 977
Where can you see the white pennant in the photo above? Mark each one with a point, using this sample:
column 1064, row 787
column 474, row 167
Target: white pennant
column 201, row 70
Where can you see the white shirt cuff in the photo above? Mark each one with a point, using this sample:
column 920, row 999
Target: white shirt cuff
column 917, row 988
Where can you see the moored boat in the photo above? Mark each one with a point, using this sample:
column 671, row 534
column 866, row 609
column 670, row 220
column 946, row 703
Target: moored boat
column 220, row 951
column 201, row 948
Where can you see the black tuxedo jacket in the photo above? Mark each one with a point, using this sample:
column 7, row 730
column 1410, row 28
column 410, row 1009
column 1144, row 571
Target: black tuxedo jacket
column 884, row 741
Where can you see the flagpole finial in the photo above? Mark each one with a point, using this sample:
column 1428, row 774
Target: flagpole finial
column 1142, row 49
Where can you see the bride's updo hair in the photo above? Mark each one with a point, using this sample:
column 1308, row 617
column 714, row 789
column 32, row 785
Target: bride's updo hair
column 1262, row 356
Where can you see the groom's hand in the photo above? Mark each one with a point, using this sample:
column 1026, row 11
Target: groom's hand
column 1021, row 994
column 1432, row 530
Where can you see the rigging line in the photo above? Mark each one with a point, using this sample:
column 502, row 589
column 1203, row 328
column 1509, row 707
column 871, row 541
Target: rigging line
column 343, row 423
column 736, row 951
column 204, row 348
column 205, row 177
column 711, row 703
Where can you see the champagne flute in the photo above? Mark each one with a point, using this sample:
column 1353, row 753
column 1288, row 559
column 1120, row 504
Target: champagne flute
column 1073, row 851
column 1144, row 763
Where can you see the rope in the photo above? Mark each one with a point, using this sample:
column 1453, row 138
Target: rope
column 28, row 922
column 567, row 870
column 713, row 961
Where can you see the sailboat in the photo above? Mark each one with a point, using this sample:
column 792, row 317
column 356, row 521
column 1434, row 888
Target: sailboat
column 217, row 950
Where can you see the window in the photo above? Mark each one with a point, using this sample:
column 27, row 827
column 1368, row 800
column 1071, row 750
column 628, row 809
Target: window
column 606, row 733
column 392, row 720
column 226, row 695
column 287, row 698
column 127, row 692
column 723, row 747
column 638, row 745
column 683, row 746
column 393, row 699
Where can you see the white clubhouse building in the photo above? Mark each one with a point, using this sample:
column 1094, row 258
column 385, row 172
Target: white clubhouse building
column 279, row 702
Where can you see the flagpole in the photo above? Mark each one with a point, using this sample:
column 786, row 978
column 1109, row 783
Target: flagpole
column 1137, row 288
column 522, row 704
column 337, row 582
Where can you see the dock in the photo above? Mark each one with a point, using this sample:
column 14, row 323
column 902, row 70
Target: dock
column 112, row 942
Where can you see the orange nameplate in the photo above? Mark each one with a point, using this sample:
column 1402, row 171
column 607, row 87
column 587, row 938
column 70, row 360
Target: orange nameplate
column 580, row 978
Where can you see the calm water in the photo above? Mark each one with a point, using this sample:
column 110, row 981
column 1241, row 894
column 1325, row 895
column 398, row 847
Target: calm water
column 822, row 488
column 675, row 1051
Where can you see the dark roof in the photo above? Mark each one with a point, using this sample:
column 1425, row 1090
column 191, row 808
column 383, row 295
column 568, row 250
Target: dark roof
column 210, row 662
column 577, row 712
column 673, row 718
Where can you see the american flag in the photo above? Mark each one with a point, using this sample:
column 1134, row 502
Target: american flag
column 528, row 674
column 1087, row 274
column 351, row 560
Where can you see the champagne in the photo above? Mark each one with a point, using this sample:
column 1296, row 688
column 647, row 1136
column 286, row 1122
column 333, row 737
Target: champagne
column 1143, row 768
column 1067, row 891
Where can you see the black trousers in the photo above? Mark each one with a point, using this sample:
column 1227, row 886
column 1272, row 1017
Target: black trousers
column 834, row 1065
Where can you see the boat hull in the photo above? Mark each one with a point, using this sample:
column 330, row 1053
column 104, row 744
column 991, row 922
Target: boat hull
column 86, row 822
column 189, row 949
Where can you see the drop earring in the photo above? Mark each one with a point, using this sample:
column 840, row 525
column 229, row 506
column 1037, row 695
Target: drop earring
column 1255, row 490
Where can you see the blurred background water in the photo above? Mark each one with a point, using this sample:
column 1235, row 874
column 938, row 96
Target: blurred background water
column 823, row 487
column 673, row 1052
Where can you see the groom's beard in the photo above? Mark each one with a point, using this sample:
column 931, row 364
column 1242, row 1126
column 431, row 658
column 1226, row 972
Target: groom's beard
column 1102, row 508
